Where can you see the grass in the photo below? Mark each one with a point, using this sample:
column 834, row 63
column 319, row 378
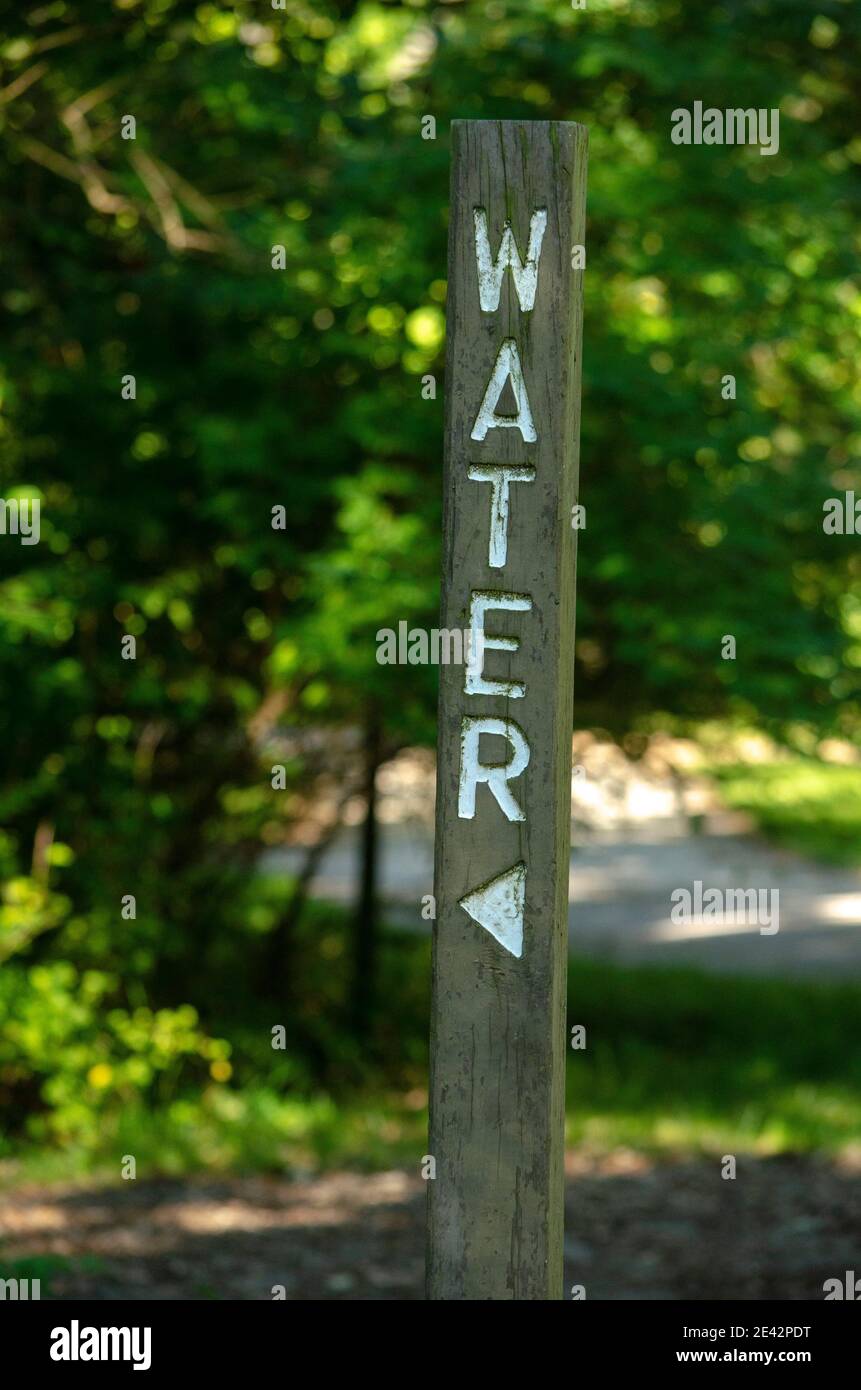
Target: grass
column 806, row 805
column 44, row 1269
column 684, row 1062
column 677, row 1062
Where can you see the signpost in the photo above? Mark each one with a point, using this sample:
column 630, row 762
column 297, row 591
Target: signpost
column 504, row 770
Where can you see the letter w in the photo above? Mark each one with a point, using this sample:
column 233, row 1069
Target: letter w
column 490, row 272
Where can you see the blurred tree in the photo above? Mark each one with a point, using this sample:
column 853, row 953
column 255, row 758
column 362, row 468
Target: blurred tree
column 300, row 127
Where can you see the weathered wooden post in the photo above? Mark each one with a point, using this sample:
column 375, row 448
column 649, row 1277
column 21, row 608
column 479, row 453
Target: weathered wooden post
column 504, row 771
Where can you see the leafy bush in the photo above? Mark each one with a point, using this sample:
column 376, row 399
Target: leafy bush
column 69, row 1059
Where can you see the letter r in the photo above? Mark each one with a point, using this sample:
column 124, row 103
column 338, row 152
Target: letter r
column 496, row 775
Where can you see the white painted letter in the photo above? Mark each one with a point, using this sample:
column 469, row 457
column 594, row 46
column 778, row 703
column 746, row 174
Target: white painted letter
column 496, row 775
column 499, row 475
column 490, row 272
column 507, row 365
column 476, row 683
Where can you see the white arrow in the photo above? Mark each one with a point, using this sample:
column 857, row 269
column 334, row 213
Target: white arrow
column 498, row 907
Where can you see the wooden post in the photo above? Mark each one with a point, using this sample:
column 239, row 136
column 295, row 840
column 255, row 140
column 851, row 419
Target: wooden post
column 505, row 719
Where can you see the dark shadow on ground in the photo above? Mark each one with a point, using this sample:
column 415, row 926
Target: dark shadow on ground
column 635, row 1230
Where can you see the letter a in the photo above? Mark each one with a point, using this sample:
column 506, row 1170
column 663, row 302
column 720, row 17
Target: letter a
column 507, row 365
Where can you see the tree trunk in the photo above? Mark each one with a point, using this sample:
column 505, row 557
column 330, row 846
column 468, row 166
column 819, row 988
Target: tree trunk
column 364, row 928
column 278, row 963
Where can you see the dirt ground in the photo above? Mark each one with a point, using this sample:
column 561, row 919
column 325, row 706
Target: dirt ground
column 635, row 1230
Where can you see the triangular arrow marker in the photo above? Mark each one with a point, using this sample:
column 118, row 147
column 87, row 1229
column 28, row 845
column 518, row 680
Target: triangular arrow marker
column 498, row 907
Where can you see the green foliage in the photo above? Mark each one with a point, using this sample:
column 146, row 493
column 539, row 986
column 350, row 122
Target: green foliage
column 28, row 906
column 258, row 388
column 676, row 1062
column 46, row 1268
column 810, row 806
column 69, row 1061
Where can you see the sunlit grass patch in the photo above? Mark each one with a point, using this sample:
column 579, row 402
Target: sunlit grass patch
column 809, row 806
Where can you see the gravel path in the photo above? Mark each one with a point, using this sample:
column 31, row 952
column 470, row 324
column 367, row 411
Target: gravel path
column 633, row 824
column 621, row 881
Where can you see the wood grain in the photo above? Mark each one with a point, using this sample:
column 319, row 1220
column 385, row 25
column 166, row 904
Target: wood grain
column 498, row 1022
